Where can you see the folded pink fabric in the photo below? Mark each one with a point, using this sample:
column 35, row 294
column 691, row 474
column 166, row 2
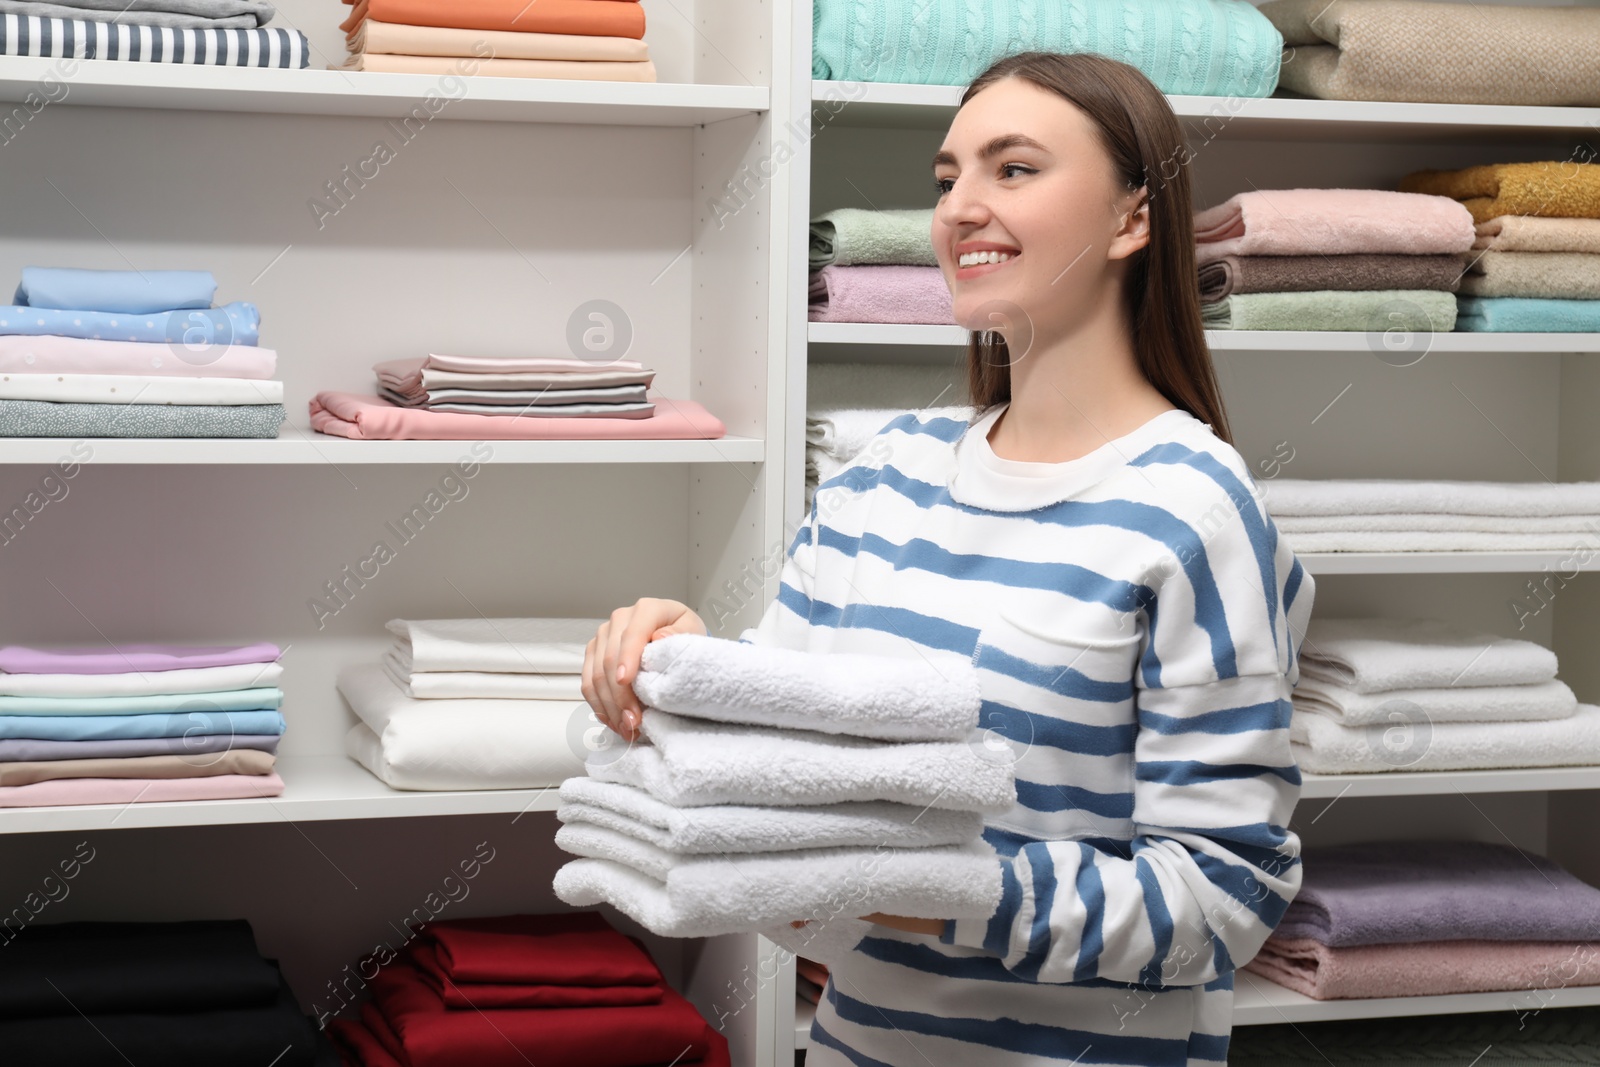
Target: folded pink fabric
column 880, row 294
column 370, row 418
column 530, row 364
column 67, row 791
column 1425, row 968
column 51, row 354
column 1295, row 222
column 130, row 659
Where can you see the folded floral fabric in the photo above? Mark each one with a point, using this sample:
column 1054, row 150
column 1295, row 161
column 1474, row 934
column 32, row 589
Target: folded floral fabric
column 1460, row 53
column 581, row 17
column 414, row 378
column 33, row 749
column 849, row 236
column 545, row 407
column 1385, row 892
column 1380, row 496
column 880, row 294
column 1288, row 222
column 1550, row 188
column 1378, row 310
column 564, row 948
column 515, row 646
column 40, row 418
column 436, row 361
column 572, row 70
column 120, row 659
column 138, row 389
column 67, row 791
column 150, row 704
column 1429, row 968
column 1532, row 233
column 215, row 14
column 1511, row 314
column 494, row 685
column 238, row 323
column 141, row 682
column 370, row 418
column 1557, row 275
column 488, row 996
column 231, row 761
column 1489, row 703
column 394, row 38
column 30, row 35
column 1209, row 48
column 1378, row 654
column 1323, row 746
column 513, row 399
column 77, row 355
column 137, row 292
column 112, row 727
column 1358, row 270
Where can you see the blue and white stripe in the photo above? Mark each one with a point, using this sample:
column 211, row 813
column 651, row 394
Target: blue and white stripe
column 34, row 35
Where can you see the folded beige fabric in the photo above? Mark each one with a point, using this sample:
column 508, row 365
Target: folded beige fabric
column 1532, row 233
column 393, row 38
column 1415, row 50
column 197, row 765
column 578, row 70
column 1560, row 275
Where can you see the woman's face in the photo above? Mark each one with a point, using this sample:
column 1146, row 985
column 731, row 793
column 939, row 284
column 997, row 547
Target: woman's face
column 1029, row 213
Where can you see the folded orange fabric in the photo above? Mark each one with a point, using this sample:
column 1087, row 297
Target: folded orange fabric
column 370, row 418
column 598, row 18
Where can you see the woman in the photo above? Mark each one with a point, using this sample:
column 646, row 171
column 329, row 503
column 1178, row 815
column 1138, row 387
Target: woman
column 1091, row 541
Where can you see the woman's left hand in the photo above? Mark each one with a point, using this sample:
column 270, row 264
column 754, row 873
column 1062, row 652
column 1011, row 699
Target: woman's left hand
column 910, row 926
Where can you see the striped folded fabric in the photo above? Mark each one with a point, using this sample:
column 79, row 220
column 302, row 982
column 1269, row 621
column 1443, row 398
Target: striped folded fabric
column 31, row 35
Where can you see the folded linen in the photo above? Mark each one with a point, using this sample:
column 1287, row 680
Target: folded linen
column 719, row 828
column 415, row 378
column 890, row 699
column 527, row 364
column 42, row 418
column 514, row 646
column 548, row 407
column 1357, row 270
column 1550, row 188
column 497, row 685
column 237, row 323
column 1378, row 310
column 1429, row 968
column 120, row 727
column 31, row 749
column 216, row 14
column 120, row 659
column 1378, row 496
column 231, row 761
column 490, row 996
column 394, row 38
column 515, row 398
column 1533, row 233
column 1202, row 49
column 31, row 35
column 704, row 896
column 68, row 791
column 136, row 292
column 693, row 762
column 149, row 704
column 572, row 70
column 370, row 418
column 1490, row 703
column 1287, row 222
column 47, row 353
column 1323, row 746
column 581, row 17
column 138, row 389
column 1461, row 541
column 849, row 236
column 562, row 948
column 1513, row 314
column 880, row 294
column 1436, row 523
column 1557, row 275
column 143, row 682
column 1375, row 654
column 1461, row 53
column 1385, row 892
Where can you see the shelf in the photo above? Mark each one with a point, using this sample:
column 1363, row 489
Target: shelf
column 1421, row 783
column 196, row 87
column 1445, row 562
column 1258, row 1002
column 316, row 788
column 299, row 445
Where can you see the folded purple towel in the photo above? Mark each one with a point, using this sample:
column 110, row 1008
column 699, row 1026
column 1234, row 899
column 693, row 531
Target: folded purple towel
column 1383, row 892
column 124, row 659
column 880, row 294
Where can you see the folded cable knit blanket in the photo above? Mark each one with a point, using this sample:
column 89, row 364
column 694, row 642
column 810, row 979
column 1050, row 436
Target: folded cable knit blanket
column 882, row 697
column 1558, row 275
column 1550, row 188
column 1412, row 310
column 1323, row 746
column 1190, row 47
column 1532, row 233
column 1490, row 703
column 1464, row 53
column 848, row 236
column 747, row 828
column 1515, row 314
column 1286, row 222
column 1428, row 968
column 1377, row 496
column 880, row 294
column 1380, row 655
column 1359, row 270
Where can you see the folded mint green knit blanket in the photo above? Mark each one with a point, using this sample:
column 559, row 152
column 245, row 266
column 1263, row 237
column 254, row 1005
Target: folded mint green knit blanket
column 1187, row 47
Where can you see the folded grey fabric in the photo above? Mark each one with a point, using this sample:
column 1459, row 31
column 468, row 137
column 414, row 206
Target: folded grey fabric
column 606, row 394
column 200, row 14
column 43, row 418
column 30, row 749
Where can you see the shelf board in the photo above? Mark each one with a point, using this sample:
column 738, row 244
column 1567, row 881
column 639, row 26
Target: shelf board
column 1421, row 783
column 1445, row 562
column 301, row 445
column 199, row 87
column 1258, row 1002
column 316, row 788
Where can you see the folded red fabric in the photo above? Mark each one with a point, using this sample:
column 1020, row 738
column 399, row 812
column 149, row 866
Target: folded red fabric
column 485, row 996
column 566, row 948
column 358, row 1046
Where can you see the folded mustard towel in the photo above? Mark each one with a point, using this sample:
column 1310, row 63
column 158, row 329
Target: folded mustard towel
column 1378, row 310
column 1551, row 188
column 1530, row 233
column 1559, row 275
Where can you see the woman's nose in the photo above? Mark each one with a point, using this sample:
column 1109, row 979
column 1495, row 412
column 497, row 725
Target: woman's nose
column 962, row 205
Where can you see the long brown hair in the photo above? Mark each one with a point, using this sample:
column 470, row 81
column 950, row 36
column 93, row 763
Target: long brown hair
column 1139, row 132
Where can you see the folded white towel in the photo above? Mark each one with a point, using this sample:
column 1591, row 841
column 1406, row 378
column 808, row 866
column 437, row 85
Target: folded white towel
column 502, row 685
column 518, row 646
column 1487, row 703
column 706, row 896
column 693, row 762
column 747, row 828
column 461, row 744
column 1345, row 496
column 844, row 432
column 825, row 940
column 1371, row 654
column 144, row 683
column 1459, row 541
column 1322, row 746
column 1413, row 521
column 883, row 697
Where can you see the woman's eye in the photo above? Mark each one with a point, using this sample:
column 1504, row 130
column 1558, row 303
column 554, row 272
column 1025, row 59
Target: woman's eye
column 943, row 184
column 1011, row 170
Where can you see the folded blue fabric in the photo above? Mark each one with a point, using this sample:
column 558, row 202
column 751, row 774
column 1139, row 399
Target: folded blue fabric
column 1526, row 314
column 107, row 727
column 238, row 323
column 260, row 698
column 135, row 292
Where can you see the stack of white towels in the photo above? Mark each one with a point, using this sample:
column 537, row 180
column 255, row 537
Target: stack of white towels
column 473, row 704
column 1402, row 515
column 772, row 785
column 1392, row 694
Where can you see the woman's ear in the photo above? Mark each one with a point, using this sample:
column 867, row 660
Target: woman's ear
column 1133, row 225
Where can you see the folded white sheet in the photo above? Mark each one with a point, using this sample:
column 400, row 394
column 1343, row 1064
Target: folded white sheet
column 138, row 389
column 1415, row 522
column 883, row 697
column 1490, row 703
column 692, row 762
column 1448, row 541
column 749, row 828
column 1323, row 746
column 1371, row 654
column 1352, row 496
column 439, row 685
column 143, row 683
column 517, row 646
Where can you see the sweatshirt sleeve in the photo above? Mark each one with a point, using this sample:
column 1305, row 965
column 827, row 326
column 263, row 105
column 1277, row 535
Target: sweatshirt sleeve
column 1212, row 864
column 786, row 621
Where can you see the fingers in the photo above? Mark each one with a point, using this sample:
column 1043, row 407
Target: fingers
column 616, row 696
column 593, row 690
column 641, row 628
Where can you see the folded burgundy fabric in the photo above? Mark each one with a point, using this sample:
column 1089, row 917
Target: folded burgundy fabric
column 566, row 948
column 485, row 996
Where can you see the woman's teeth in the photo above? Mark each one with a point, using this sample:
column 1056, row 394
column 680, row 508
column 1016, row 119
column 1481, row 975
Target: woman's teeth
column 973, row 259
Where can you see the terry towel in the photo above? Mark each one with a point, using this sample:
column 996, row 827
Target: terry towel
column 1429, row 968
column 39, row 418
column 1348, row 496
column 719, row 828
column 1532, row 233
column 692, row 762
column 1430, row 522
column 1297, row 274
column 1514, row 314
column 1287, row 222
column 1491, row 703
column 890, row 699
column 370, row 418
column 516, row 646
column 1557, row 275
column 849, row 236
column 1374, row 654
column 880, row 294
column 1464, row 541
column 1551, row 188
column 1412, row 310
column 1322, row 746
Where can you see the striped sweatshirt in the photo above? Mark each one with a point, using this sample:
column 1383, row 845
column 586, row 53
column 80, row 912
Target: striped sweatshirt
column 1134, row 619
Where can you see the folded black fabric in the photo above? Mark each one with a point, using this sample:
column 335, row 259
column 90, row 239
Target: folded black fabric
column 128, row 967
column 1525, row 1031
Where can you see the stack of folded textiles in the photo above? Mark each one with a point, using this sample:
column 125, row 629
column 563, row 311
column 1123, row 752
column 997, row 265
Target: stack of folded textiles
column 217, row 32
column 142, row 723
column 775, row 785
column 110, row 353
column 1207, row 48
column 552, row 990
column 184, row 994
column 1535, row 264
column 1430, row 918
column 876, row 266
column 506, row 38
column 472, row 703
column 1331, row 259
column 1385, row 694
column 1528, row 1034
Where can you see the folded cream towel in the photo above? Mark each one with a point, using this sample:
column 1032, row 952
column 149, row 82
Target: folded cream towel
column 1284, row 222
column 1371, row 654
column 515, row 646
column 1426, row 968
column 1322, row 746
column 1487, row 703
column 1558, row 275
column 1348, row 496
column 747, row 828
column 1532, row 233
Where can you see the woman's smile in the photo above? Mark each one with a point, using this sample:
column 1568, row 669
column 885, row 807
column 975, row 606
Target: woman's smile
column 977, row 258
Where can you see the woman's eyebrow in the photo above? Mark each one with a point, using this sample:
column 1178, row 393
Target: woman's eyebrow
column 993, row 147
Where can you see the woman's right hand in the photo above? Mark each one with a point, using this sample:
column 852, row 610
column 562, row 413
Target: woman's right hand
column 611, row 662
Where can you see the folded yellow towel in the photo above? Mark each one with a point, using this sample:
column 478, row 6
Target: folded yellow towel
column 1551, row 188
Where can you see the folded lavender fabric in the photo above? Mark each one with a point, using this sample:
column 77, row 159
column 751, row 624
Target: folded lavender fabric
column 1359, row 270
column 880, row 294
column 68, row 791
column 1289, row 222
column 31, row 749
column 1427, row 968
column 121, row 659
column 1384, row 892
